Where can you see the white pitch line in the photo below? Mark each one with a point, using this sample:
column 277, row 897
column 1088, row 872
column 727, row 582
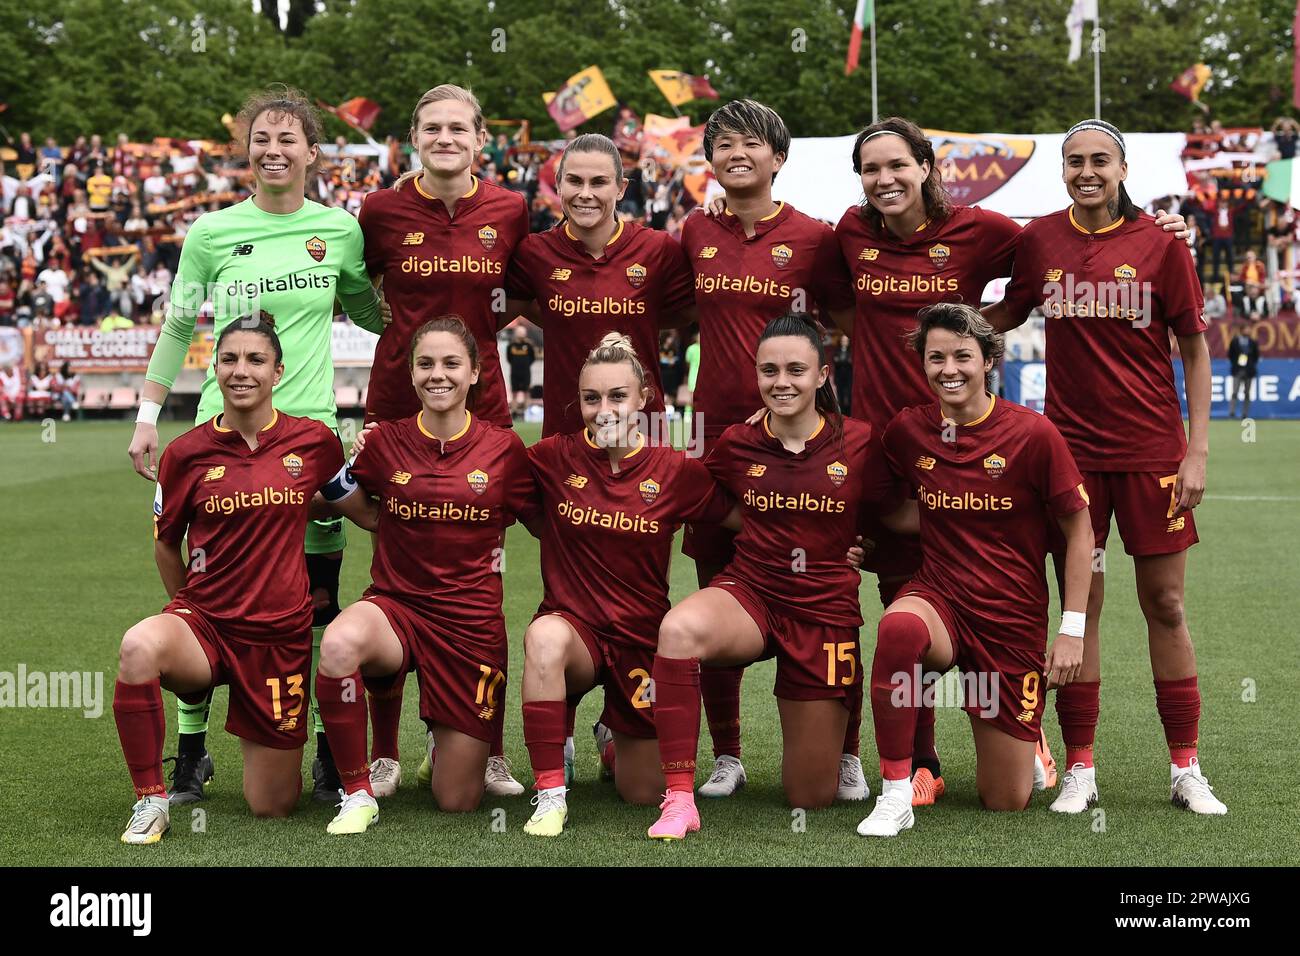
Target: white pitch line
column 1251, row 498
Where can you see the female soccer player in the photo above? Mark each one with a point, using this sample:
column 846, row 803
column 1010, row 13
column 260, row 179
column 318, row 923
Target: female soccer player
column 238, row 489
column 611, row 500
column 439, row 242
column 289, row 257
column 592, row 273
column 799, row 475
column 908, row 246
column 991, row 477
column 757, row 259
column 449, row 484
column 1114, row 288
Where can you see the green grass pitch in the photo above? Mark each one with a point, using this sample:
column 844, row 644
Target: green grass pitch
column 76, row 570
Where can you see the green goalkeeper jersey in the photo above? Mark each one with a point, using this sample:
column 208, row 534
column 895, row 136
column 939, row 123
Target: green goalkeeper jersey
column 290, row 266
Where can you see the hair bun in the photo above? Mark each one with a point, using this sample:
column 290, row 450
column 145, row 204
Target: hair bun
column 617, row 340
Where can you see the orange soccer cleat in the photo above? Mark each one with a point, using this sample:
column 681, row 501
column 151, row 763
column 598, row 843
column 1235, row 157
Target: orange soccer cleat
column 926, row 788
column 1044, row 765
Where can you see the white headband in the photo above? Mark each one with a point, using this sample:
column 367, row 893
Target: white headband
column 1089, row 124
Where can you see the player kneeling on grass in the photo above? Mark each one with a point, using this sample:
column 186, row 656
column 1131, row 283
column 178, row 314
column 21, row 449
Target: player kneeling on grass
column 239, row 488
column 800, row 475
column 610, row 503
column 449, row 485
column 991, row 477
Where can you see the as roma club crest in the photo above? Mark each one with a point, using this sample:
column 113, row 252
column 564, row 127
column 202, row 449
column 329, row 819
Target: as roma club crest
column 292, row 464
column 316, row 248
column 939, row 254
column 976, row 166
column 649, row 490
column 488, row 236
column 995, row 464
column 478, row 480
column 636, row 275
column 837, row 471
column 781, row 255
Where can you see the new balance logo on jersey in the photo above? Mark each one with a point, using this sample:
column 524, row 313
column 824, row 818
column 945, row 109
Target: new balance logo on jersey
column 561, row 275
column 413, row 239
column 869, row 255
column 400, row 477
column 576, row 481
column 925, row 463
column 243, row 249
column 1176, row 525
column 1025, row 716
column 289, row 724
column 1052, row 275
column 212, row 474
column 708, row 252
column 755, row 471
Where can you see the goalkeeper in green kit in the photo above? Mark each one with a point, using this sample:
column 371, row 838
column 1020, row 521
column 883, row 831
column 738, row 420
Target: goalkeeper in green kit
column 290, row 258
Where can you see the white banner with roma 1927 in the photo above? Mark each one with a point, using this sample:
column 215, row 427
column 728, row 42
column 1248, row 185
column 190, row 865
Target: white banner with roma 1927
column 1018, row 175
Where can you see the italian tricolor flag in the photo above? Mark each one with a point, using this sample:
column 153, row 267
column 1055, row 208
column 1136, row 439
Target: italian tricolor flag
column 862, row 17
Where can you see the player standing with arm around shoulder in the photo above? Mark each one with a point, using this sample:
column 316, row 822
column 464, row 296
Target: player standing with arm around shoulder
column 610, row 500
column 439, row 242
column 756, row 260
column 449, row 485
column 799, row 475
column 287, row 256
column 592, row 273
column 1114, row 288
column 238, row 488
column 991, row 479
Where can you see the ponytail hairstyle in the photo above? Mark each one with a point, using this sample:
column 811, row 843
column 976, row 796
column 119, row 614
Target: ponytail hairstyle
column 456, row 326
column 280, row 100
column 805, row 326
column 592, row 143
column 616, row 348
column 938, row 204
column 259, row 323
column 1128, row 210
column 964, row 322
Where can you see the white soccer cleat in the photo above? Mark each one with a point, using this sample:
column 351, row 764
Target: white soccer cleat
column 728, row 776
column 853, row 782
column 385, row 776
column 1078, row 790
column 1191, row 791
column 150, row 819
column 357, row 811
column 604, row 737
column 498, row 781
column 551, row 814
column 893, row 812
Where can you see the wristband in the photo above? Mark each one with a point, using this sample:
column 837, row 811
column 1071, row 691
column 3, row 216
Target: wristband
column 1072, row 623
column 148, row 413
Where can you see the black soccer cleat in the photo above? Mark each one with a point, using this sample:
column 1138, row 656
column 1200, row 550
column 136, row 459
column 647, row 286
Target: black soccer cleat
column 325, row 781
column 189, row 774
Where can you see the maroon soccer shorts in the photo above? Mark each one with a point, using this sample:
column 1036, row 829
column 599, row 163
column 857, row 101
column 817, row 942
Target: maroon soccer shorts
column 270, row 684
column 1143, row 504
column 813, row 661
column 623, row 670
column 1015, row 674
column 462, row 672
column 709, row 544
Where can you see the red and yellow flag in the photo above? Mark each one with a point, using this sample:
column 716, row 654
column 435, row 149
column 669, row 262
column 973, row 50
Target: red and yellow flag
column 679, row 88
column 1191, row 81
column 582, row 97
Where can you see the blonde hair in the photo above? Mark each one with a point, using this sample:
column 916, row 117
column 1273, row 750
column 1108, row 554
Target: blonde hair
column 614, row 349
column 447, row 91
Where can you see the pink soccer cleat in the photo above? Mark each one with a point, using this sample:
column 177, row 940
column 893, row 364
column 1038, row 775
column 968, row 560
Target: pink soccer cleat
column 679, row 817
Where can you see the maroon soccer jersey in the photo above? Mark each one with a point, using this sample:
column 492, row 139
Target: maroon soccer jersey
column 434, row 264
column 635, row 287
column 987, row 501
column 801, row 514
column 443, row 510
column 244, row 513
column 952, row 260
column 791, row 263
column 609, row 537
column 1110, row 299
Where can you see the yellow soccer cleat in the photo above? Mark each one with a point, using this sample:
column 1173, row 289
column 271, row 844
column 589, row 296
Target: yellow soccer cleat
column 551, row 815
column 356, row 814
column 150, row 819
